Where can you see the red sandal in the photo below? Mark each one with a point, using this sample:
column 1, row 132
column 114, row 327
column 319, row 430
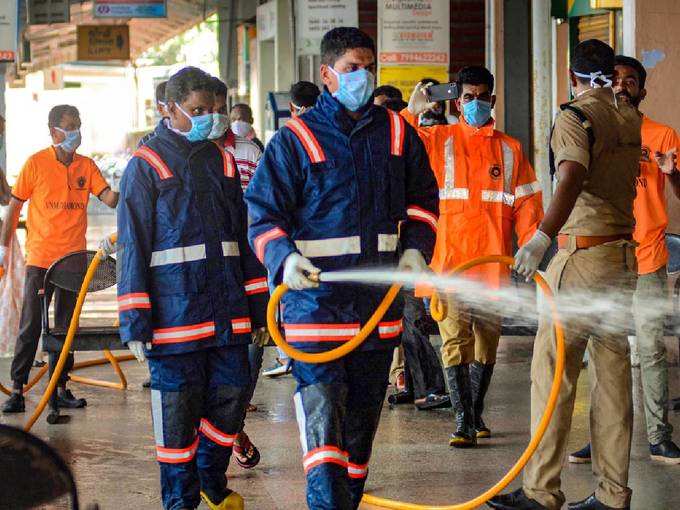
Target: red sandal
column 246, row 453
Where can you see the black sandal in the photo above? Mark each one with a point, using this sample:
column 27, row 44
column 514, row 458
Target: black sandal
column 433, row 401
column 400, row 397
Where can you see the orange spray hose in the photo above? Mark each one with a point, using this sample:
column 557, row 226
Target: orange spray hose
column 370, row 325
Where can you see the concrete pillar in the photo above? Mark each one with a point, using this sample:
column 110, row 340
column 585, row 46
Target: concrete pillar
column 629, row 46
column 276, row 63
column 226, row 40
column 650, row 36
column 3, row 154
column 541, row 51
column 495, row 58
column 284, row 46
column 266, row 82
column 517, row 72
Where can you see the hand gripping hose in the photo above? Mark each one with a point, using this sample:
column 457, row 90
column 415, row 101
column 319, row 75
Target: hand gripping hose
column 338, row 352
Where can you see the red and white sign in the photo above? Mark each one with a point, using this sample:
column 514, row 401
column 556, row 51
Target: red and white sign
column 413, row 32
column 9, row 11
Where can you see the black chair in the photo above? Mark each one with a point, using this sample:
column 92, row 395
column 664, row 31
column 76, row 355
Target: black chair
column 68, row 273
column 32, row 473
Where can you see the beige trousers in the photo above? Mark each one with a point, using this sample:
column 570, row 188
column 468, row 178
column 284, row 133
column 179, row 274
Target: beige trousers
column 397, row 366
column 469, row 335
column 595, row 288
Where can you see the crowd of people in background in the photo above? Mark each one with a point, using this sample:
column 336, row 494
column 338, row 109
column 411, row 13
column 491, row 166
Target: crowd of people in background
column 489, row 202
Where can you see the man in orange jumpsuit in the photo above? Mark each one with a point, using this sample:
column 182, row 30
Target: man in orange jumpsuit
column 486, row 187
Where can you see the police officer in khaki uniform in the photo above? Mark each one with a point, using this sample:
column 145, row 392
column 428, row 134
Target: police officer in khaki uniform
column 596, row 147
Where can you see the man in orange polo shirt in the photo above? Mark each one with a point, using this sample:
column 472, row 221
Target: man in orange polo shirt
column 657, row 167
column 57, row 182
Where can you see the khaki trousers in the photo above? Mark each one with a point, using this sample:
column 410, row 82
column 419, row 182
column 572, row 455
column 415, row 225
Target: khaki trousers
column 397, row 366
column 594, row 288
column 468, row 335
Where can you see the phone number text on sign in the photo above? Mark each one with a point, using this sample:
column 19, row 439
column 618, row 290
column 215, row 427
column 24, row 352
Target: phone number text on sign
column 414, row 58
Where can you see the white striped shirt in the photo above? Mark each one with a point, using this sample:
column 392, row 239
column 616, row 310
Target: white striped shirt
column 246, row 153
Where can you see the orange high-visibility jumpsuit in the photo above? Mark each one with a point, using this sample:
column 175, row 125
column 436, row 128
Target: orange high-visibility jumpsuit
column 486, row 187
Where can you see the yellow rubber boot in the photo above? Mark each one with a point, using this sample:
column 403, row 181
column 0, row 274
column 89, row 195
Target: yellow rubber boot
column 233, row 501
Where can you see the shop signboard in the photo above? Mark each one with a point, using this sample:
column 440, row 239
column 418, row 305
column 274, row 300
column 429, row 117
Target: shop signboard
column 413, row 32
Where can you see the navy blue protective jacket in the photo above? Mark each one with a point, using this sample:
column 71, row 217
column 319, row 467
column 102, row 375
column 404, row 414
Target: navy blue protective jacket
column 345, row 194
column 187, row 278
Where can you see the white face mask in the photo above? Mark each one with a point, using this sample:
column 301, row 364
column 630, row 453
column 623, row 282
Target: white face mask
column 241, row 128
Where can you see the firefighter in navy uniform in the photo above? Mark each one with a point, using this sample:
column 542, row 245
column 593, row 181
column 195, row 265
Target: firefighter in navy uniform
column 346, row 184
column 182, row 294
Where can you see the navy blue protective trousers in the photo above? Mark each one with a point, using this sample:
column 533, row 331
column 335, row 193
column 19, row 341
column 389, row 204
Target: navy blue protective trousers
column 197, row 402
column 338, row 408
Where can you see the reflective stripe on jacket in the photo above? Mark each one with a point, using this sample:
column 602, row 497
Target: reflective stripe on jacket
column 187, row 277
column 345, row 194
column 487, row 188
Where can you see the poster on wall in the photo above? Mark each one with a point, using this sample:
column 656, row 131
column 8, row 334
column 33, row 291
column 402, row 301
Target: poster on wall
column 313, row 18
column 413, row 32
column 405, row 77
column 9, row 11
column 130, row 9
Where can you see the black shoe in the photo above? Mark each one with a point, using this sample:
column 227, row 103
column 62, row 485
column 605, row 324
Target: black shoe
column 14, row 404
column 480, row 379
column 68, row 401
column 582, row 456
column 400, row 397
column 461, row 401
column 666, row 451
column 675, row 404
column 515, row 500
column 592, row 503
column 433, row 401
column 147, row 383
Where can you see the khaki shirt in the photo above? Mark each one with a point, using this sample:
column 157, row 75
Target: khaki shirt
column 605, row 206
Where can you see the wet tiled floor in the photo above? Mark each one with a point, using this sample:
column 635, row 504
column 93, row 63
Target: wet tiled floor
column 110, row 447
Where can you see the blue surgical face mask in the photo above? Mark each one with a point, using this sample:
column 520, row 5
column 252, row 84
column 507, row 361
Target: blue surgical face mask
column 354, row 89
column 219, row 127
column 71, row 140
column 201, row 126
column 477, row 112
